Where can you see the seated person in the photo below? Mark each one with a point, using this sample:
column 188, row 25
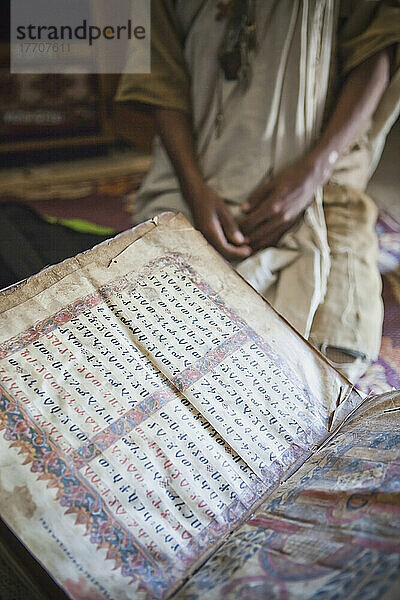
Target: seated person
column 271, row 117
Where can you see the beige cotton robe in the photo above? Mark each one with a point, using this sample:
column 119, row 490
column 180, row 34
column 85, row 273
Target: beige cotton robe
column 323, row 276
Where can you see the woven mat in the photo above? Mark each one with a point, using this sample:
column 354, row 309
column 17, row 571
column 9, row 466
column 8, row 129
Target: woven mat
column 10, row 587
column 95, row 190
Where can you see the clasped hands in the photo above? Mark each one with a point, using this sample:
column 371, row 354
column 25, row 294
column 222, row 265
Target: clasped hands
column 270, row 210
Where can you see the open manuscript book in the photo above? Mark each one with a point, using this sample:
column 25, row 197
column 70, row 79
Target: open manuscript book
column 151, row 401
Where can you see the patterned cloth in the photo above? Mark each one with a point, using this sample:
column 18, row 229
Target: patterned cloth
column 384, row 374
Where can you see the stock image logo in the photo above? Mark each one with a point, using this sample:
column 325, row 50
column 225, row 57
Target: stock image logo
column 84, row 36
column 83, row 32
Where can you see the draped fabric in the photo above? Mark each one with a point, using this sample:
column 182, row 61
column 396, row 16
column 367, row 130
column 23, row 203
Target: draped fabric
column 262, row 129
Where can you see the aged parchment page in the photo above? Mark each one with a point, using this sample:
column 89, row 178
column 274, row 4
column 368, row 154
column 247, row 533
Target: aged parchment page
column 150, row 399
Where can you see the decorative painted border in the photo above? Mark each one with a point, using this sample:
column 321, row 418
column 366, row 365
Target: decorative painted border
column 122, row 426
column 77, row 496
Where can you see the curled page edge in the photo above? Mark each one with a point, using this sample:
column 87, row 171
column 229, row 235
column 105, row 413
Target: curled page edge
column 101, row 253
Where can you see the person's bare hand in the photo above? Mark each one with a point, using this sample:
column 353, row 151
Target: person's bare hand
column 277, row 204
column 214, row 219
